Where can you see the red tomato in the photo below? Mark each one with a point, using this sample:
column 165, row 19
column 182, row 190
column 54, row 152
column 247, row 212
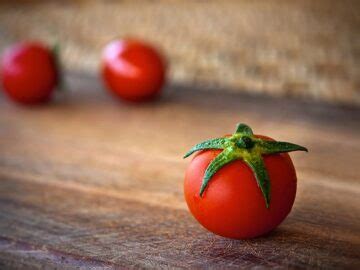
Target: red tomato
column 29, row 73
column 133, row 70
column 232, row 204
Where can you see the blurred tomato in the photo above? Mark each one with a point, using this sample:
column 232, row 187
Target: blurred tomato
column 29, row 72
column 133, row 70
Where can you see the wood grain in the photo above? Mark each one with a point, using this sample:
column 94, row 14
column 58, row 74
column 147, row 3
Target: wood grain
column 91, row 182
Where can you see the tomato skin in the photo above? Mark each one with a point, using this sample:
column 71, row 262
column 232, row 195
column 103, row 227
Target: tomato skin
column 28, row 73
column 133, row 70
column 232, row 204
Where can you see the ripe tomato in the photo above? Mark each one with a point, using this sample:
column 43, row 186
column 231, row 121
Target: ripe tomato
column 29, row 73
column 233, row 203
column 133, row 70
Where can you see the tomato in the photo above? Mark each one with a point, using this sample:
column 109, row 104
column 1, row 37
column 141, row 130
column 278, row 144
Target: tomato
column 133, row 70
column 236, row 203
column 29, row 72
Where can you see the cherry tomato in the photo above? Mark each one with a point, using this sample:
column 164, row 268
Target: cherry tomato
column 133, row 70
column 29, row 73
column 232, row 204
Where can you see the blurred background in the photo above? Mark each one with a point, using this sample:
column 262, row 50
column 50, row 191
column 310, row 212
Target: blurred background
column 304, row 49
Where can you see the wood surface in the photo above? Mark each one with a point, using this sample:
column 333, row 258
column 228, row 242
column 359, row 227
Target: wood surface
column 89, row 182
column 300, row 48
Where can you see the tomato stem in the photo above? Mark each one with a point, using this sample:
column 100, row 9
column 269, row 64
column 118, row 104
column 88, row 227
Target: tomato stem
column 243, row 145
column 59, row 72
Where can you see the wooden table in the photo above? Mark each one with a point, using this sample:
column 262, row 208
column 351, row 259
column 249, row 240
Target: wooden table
column 91, row 182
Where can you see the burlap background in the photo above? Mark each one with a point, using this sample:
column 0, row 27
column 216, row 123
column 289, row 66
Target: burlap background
column 306, row 49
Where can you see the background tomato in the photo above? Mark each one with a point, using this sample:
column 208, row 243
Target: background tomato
column 29, row 72
column 133, row 70
column 232, row 204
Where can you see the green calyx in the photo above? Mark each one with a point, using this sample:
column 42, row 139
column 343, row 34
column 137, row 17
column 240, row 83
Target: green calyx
column 243, row 145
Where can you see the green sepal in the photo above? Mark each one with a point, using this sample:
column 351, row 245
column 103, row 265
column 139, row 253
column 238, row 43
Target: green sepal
column 273, row 147
column 244, row 129
column 218, row 143
column 257, row 165
column 216, row 164
column 243, row 145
